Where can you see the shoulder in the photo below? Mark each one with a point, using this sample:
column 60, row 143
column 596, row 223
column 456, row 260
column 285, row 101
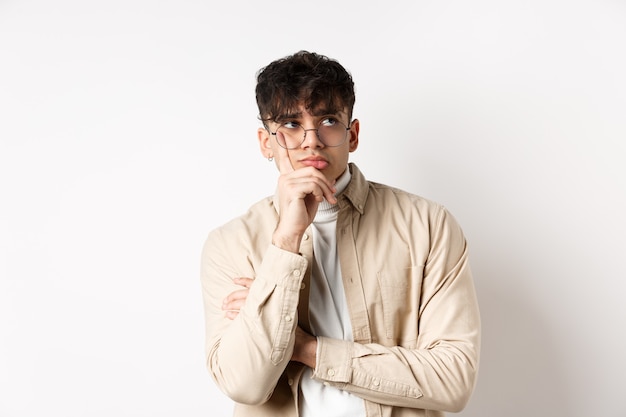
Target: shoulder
column 388, row 198
column 370, row 196
column 260, row 216
column 374, row 195
column 389, row 192
column 420, row 215
column 386, row 202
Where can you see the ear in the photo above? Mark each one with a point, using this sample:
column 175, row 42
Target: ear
column 265, row 143
column 354, row 135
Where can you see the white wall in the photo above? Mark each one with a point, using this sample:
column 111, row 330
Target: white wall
column 127, row 132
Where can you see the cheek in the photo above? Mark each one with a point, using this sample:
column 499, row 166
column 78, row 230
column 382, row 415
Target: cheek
column 343, row 157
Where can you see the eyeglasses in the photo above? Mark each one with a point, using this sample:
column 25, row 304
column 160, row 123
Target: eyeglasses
column 330, row 131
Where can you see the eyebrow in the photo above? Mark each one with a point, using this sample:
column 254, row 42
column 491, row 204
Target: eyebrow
column 294, row 115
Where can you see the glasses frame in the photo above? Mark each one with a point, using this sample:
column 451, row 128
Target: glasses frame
column 316, row 132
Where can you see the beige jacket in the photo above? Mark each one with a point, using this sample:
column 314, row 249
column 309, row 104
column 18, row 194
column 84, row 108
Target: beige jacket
column 410, row 294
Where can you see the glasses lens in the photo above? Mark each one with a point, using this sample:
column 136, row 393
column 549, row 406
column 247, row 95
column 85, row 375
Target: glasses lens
column 330, row 132
column 290, row 135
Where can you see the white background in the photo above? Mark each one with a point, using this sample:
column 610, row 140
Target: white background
column 128, row 131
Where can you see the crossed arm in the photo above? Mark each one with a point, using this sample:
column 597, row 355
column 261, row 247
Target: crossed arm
column 305, row 345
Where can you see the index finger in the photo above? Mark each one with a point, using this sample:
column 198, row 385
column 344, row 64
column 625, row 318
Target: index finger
column 284, row 163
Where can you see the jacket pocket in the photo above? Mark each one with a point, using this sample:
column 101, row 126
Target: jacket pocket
column 400, row 295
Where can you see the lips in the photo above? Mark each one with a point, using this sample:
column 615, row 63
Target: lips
column 315, row 162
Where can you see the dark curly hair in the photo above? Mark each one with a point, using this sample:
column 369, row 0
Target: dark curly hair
column 320, row 83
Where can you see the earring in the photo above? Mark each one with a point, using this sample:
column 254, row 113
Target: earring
column 270, row 158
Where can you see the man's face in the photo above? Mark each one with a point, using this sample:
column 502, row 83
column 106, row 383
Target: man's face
column 330, row 160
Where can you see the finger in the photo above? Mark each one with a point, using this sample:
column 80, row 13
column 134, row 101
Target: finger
column 236, row 295
column 328, row 192
column 234, row 305
column 231, row 314
column 319, row 186
column 284, row 163
column 318, row 194
column 310, row 177
column 244, row 282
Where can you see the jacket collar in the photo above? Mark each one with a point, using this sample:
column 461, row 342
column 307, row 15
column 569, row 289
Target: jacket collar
column 356, row 192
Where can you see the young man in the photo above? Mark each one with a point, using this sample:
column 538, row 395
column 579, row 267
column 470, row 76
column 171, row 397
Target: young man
column 336, row 297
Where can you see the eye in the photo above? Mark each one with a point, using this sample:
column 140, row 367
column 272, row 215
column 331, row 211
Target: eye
column 290, row 125
column 329, row 121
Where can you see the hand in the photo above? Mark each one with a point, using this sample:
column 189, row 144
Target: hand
column 236, row 299
column 300, row 192
column 305, row 348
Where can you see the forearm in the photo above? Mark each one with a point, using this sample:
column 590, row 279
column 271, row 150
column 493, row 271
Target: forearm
column 441, row 378
column 247, row 355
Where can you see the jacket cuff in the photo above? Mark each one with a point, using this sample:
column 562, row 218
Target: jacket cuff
column 333, row 361
column 283, row 268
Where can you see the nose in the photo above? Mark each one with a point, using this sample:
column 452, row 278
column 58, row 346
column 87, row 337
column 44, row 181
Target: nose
column 312, row 140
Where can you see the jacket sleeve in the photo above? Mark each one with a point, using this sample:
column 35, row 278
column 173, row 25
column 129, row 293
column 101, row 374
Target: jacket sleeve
column 247, row 355
column 439, row 372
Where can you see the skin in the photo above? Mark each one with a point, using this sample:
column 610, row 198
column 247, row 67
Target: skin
column 301, row 187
